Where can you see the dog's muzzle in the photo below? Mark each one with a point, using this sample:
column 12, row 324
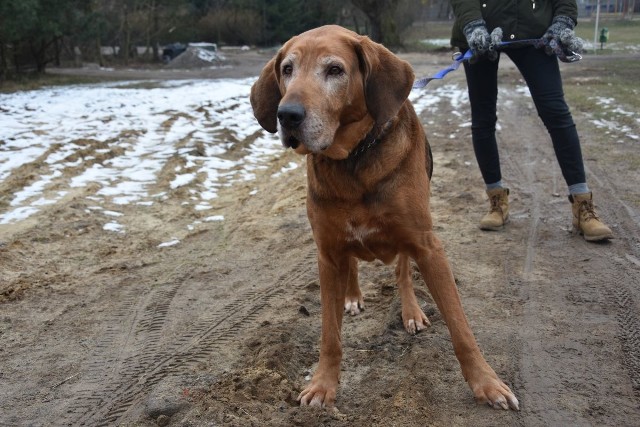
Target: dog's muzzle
column 290, row 117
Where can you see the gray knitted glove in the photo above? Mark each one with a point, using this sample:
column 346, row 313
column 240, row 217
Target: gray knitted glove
column 496, row 39
column 480, row 41
column 560, row 35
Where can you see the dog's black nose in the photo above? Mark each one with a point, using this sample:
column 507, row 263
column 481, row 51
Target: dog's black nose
column 291, row 115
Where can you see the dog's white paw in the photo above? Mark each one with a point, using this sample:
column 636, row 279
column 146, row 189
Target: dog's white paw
column 320, row 392
column 415, row 322
column 353, row 306
column 490, row 390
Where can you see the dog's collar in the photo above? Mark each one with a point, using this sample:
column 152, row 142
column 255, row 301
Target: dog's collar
column 369, row 141
column 372, row 138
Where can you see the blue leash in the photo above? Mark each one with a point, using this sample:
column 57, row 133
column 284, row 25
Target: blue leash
column 459, row 58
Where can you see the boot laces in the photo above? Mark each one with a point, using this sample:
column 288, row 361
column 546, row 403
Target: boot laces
column 587, row 211
column 495, row 203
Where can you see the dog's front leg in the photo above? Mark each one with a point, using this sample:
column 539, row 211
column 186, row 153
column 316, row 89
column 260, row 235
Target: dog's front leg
column 485, row 384
column 321, row 391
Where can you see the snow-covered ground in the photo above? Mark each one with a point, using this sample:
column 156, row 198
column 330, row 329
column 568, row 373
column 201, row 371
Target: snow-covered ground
column 611, row 124
column 446, row 42
column 118, row 137
column 141, row 127
column 618, row 47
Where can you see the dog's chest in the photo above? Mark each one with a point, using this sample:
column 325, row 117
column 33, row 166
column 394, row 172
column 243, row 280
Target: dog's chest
column 368, row 241
column 359, row 232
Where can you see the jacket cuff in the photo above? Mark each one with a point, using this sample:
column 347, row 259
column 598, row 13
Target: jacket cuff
column 565, row 20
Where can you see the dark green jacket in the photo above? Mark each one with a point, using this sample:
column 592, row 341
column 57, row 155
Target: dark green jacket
column 519, row 19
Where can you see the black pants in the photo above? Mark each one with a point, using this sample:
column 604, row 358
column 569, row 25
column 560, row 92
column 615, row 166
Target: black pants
column 542, row 74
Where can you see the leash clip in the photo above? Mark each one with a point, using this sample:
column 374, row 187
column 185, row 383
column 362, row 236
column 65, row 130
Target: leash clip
column 572, row 57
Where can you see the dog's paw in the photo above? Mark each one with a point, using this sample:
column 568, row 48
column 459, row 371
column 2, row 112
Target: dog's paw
column 353, row 305
column 493, row 392
column 320, row 393
column 414, row 320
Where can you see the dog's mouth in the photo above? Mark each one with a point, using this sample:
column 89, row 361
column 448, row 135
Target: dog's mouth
column 291, row 141
column 288, row 138
column 299, row 142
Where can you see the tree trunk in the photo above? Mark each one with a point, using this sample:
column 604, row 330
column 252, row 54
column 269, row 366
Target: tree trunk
column 56, row 44
column 127, row 36
column 156, row 32
column 148, row 30
column 15, row 58
column 39, row 56
column 99, row 50
column 3, row 63
column 376, row 29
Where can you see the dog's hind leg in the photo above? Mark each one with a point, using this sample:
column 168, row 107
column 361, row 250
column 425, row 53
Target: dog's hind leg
column 353, row 300
column 413, row 318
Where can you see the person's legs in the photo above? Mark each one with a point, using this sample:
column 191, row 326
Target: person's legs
column 542, row 74
column 482, row 82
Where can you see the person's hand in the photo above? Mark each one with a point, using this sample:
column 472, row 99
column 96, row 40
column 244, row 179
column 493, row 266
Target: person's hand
column 560, row 38
column 480, row 41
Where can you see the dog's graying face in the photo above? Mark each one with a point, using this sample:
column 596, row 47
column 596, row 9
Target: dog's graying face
column 316, row 89
column 328, row 87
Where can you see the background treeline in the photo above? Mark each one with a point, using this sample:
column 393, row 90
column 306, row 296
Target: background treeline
column 36, row 33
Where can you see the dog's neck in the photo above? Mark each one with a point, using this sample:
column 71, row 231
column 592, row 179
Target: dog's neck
column 372, row 138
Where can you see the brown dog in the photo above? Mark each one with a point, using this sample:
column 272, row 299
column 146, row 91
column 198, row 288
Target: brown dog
column 341, row 99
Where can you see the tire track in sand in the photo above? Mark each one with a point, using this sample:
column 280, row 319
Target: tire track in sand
column 108, row 395
column 557, row 362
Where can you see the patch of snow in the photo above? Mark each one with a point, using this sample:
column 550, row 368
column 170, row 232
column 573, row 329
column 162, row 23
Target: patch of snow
column 182, row 180
column 291, row 166
column 169, row 243
column 437, row 42
column 114, row 226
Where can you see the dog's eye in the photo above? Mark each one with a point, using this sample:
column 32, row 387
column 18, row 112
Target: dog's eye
column 335, row 70
column 287, row 70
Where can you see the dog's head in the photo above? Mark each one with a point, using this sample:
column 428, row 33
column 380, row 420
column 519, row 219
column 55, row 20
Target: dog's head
column 327, row 88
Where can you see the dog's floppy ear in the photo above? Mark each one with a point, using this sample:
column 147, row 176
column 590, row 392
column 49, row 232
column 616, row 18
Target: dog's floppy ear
column 265, row 96
column 387, row 80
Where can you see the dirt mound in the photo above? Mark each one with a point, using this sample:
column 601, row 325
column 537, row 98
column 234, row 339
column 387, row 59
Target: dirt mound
column 196, row 57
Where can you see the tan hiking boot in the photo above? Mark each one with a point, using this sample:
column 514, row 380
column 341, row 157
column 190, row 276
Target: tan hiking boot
column 585, row 220
column 499, row 213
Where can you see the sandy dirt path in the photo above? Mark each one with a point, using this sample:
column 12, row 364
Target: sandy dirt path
column 98, row 328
